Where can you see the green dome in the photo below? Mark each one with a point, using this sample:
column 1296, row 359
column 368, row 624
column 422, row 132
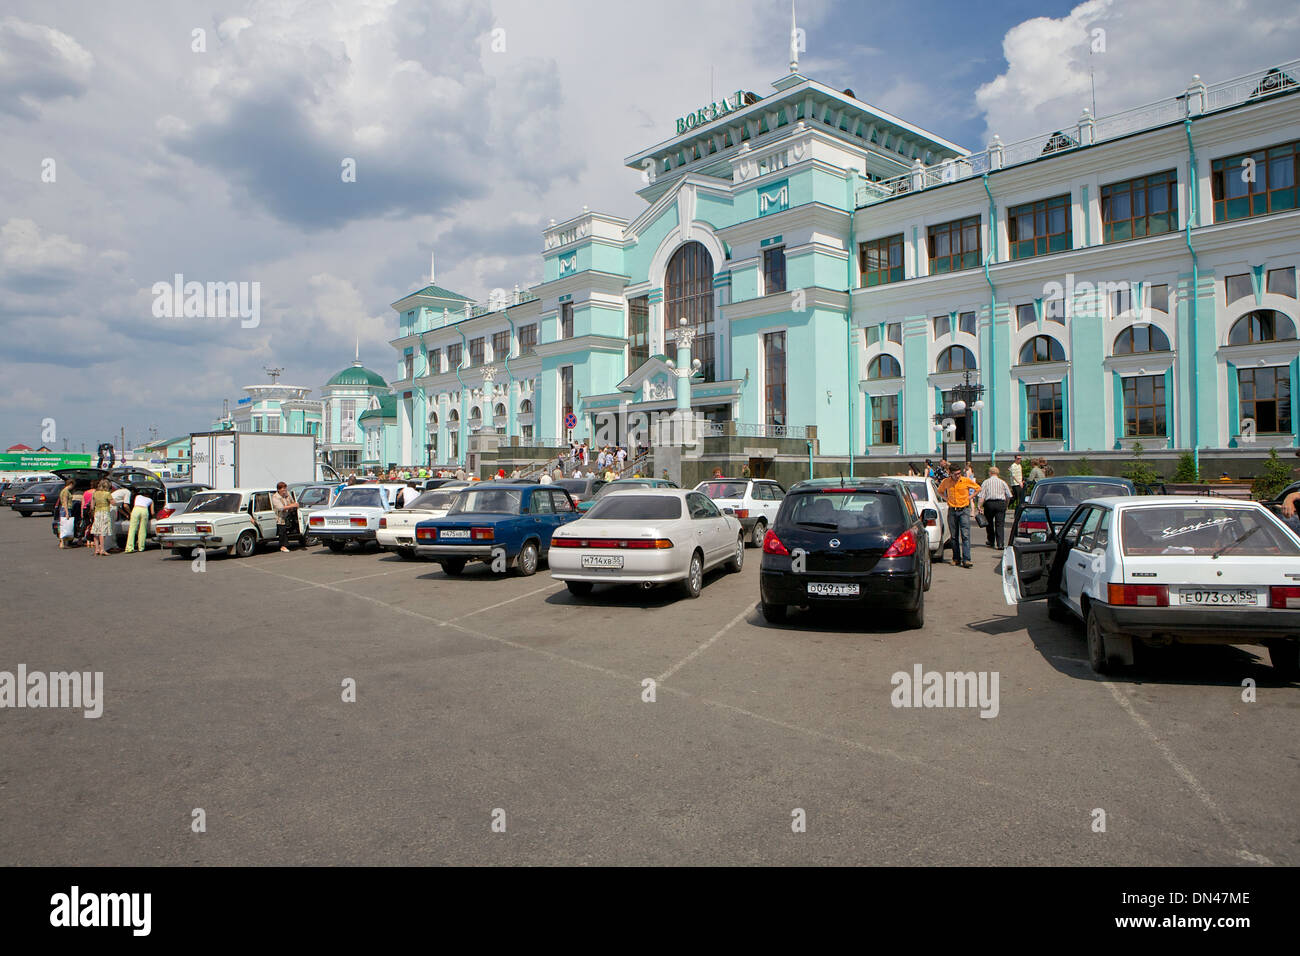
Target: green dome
column 358, row 375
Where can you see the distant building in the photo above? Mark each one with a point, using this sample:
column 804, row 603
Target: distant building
column 343, row 399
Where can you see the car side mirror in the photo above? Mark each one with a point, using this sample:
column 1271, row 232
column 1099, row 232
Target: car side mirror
column 728, row 511
column 929, row 514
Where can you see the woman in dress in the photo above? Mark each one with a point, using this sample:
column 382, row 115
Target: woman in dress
column 102, row 503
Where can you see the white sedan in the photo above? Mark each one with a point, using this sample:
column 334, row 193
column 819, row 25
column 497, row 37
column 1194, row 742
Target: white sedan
column 354, row 515
column 1164, row 569
column 396, row 530
column 926, row 495
column 647, row 536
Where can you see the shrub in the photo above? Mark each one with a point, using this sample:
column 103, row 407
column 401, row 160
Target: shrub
column 1185, row 473
column 1139, row 471
column 1084, row 467
column 1274, row 477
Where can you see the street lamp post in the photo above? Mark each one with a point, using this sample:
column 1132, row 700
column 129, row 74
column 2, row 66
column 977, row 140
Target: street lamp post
column 966, row 398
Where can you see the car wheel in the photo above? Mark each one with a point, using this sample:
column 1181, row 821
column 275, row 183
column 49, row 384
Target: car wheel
column 406, row 554
column 579, row 588
column 336, row 546
column 738, row 559
column 453, row 566
column 526, row 563
column 1285, row 658
column 245, row 544
column 915, row 620
column 694, row 582
column 185, row 553
column 1097, row 658
column 773, row 613
column 1056, row 610
column 929, row 575
column 760, row 529
column 25, row 514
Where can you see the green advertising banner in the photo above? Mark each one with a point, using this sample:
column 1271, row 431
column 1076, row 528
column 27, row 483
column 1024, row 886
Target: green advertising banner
column 47, row 461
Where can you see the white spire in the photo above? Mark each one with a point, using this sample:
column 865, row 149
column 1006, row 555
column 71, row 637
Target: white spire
column 357, row 360
column 433, row 280
column 794, row 42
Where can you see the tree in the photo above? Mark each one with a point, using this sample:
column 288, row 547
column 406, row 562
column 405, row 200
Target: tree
column 1084, row 467
column 1274, row 477
column 1186, row 470
column 1139, row 471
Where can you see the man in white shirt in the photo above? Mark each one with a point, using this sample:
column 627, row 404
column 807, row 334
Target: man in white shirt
column 994, row 496
column 141, row 508
column 546, row 478
column 1017, row 479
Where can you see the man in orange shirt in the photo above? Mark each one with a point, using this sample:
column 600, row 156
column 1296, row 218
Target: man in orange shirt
column 959, row 490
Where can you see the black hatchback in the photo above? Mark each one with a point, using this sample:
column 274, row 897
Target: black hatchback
column 857, row 543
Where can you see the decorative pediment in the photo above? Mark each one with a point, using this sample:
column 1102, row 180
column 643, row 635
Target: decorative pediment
column 653, row 376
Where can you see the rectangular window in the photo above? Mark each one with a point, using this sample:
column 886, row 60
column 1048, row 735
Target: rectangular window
column 566, row 320
column 773, row 270
column 954, row 245
column 881, row 260
column 528, row 431
column 1158, row 298
column 774, row 377
column 1037, row 228
column 638, row 332
column 1144, row 406
column 257, row 423
column 1237, row 287
column 1121, row 302
column 527, row 339
column 1025, row 316
column 1264, row 397
column 409, row 365
column 500, row 345
column 435, row 361
column 1045, row 412
column 967, row 323
column 566, row 395
column 1255, row 184
column 476, row 350
column 942, row 326
column 273, row 424
column 884, row 420
column 1146, row 206
column 453, row 356
column 893, row 332
column 1282, row 281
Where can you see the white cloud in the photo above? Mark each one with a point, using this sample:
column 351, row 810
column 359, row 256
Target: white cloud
column 25, row 252
column 39, row 64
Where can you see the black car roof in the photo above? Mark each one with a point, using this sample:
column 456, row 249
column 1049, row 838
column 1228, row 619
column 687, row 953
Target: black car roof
column 821, row 484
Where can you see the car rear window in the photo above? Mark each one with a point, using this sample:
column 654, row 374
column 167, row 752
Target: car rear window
column 629, row 507
column 855, row 510
column 215, row 503
column 1067, row 494
column 496, row 500
column 434, row 500
column 314, row 496
column 1201, row 530
column 723, row 489
column 359, row 498
column 575, row 486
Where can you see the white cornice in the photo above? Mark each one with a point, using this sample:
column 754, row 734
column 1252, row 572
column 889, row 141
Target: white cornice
column 581, row 343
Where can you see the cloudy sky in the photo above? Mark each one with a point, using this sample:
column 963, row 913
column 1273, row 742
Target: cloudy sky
column 218, row 155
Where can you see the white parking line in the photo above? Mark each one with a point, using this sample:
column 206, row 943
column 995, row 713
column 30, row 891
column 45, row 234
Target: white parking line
column 745, row 612
column 492, row 607
column 1179, row 768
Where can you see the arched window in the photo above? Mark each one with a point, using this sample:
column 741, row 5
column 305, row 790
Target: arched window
column 1141, row 338
column 955, row 358
column 688, row 293
column 433, row 420
column 453, row 417
column 475, row 415
column 884, row 366
column 526, row 407
column 1262, row 325
column 499, row 412
column 1041, row 348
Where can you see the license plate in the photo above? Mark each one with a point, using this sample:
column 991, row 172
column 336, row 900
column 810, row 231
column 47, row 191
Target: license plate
column 832, row 590
column 337, row 522
column 602, row 560
column 454, row 533
column 1219, row 597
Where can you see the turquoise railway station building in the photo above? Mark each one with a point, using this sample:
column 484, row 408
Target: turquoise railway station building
column 1122, row 279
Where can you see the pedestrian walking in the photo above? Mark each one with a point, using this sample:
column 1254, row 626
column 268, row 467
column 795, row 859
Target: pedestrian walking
column 87, row 517
column 994, row 496
column 101, row 503
column 957, row 490
column 1017, row 474
column 546, row 478
column 138, row 530
column 286, row 511
column 67, row 525
column 1038, row 471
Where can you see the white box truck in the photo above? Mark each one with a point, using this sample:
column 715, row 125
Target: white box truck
column 228, row 459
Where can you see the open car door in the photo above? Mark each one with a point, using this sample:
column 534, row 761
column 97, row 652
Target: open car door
column 1028, row 559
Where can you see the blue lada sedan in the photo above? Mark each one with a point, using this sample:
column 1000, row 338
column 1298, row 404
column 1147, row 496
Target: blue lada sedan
column 503, row 524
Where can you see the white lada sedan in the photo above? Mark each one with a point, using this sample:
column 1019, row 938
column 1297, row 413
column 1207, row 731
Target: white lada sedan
column 353, row 515
column 1165, row 569
column 238, row 519
column 647, row 536
column 396, row 530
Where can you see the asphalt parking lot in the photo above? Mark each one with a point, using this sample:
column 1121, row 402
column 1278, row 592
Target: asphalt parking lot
column 223, row 691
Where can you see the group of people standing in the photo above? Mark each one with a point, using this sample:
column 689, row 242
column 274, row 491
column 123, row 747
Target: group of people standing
column 86, row 518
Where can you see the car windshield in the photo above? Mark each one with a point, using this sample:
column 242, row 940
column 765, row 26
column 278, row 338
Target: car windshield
column 499, row 500
column 360, row 498
column 1202, row 530
column 920, row 494
column 1067, row 494
column 42, row 487
column 314, row 496
column 433, row 500
column 574, row 486
column 630, row 507
column 624, row 485
column 859, row 510
column 723, row 489
column 215, row 502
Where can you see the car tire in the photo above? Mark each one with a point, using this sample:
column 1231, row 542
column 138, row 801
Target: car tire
column 185, row 553
column 738, row 560
column 756, row 536
column 694, row 582
column 914, row 619
column 527, row 559
column 245, row 544
column 579, row 588
column 25, row 514
column 929, row 575
column 406, row 554
column 773, row 613
column 336, row 546
column 1096, row 638
column 1285, row 658
column 1057, row 611
column 453, row 566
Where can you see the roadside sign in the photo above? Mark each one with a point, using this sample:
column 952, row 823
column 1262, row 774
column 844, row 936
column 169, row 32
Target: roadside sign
column 570, row 421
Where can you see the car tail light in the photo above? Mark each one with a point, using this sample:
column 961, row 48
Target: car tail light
column 1284, row 597
column 1033, row 526
column 742, row 512
column 357, row 522
column 165, row 513
column 558, row 542
column 315, row 521
column 772, row 544
column 426, row 534
column 383, row 522
column 635, row 544
column 904, row 546
column 203, row 528
column 481, row 534
column 163, row 528
column 41, row 498
column 1138, row 595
